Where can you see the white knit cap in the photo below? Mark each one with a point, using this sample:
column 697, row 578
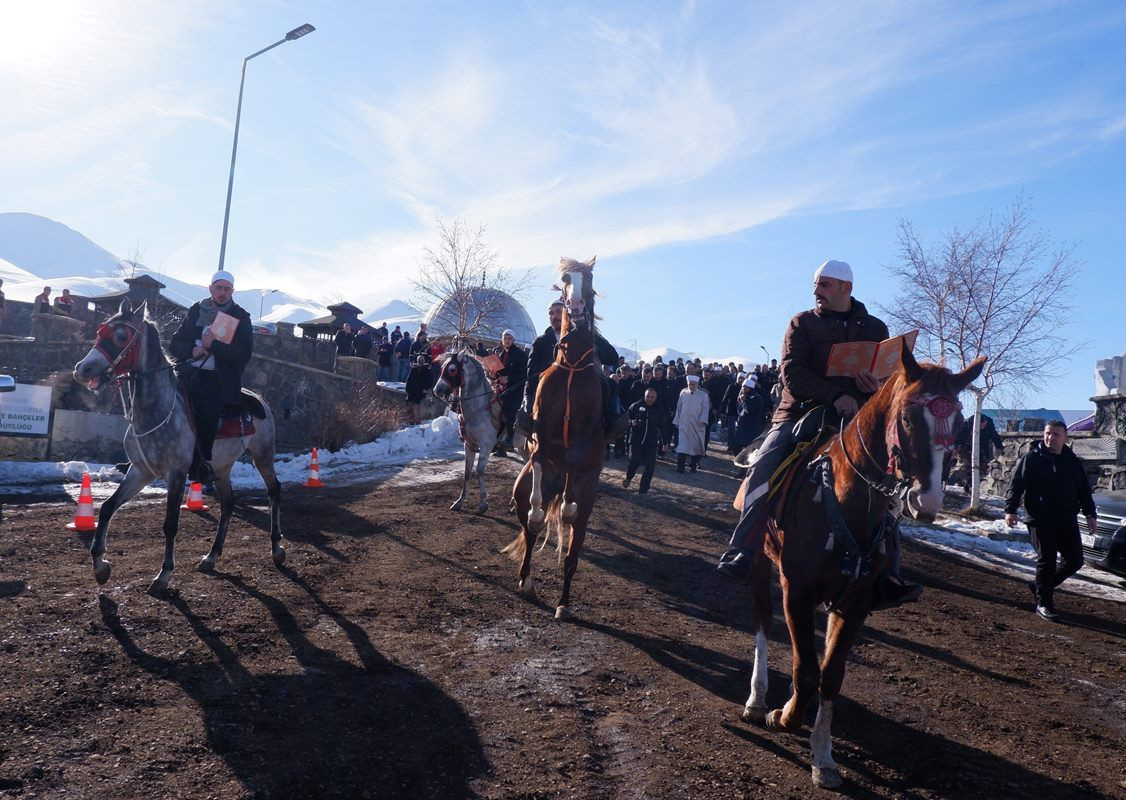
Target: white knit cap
column 834, row 269
column 693, row 378
column 223, row 275
column 508, row 332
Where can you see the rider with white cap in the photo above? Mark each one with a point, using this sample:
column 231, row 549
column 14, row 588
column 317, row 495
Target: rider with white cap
column 211, row 367
column 513, row 376
column 837, row 317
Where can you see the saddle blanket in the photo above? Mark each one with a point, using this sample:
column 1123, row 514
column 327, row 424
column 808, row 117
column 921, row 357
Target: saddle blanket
column 232, row 427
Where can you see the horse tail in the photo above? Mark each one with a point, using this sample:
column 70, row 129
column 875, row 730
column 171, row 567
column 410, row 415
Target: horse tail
column 553, row 524
column 515, row 549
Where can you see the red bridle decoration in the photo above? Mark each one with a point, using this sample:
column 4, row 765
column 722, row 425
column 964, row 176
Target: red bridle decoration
column 124, row 361
column 942, row 409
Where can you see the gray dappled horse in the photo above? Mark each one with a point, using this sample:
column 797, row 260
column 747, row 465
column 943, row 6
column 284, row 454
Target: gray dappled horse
column 160, row 439
column 480, row 417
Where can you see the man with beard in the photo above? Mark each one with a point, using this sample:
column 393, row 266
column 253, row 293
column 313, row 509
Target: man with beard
column 646, row 422
column 836, row 317
column 511, row 379
column 210, row 367
column 691, row 421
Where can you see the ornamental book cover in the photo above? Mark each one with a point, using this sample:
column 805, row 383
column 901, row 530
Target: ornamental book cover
column 224, row 327
column 880, row 358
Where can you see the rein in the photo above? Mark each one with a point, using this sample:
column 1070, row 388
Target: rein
column 571, row 370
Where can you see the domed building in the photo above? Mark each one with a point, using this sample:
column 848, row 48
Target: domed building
column 498, row 311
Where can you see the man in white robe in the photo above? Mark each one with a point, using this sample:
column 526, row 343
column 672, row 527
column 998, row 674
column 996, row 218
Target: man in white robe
column 691, row 421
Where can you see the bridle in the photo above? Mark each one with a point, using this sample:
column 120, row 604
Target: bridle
column 122, row 360
column 897, row 476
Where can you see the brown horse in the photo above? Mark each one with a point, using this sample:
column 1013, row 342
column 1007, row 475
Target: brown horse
column 568, row 443
column 829, row 541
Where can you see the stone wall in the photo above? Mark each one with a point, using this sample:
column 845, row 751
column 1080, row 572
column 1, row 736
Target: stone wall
column 1103, row 450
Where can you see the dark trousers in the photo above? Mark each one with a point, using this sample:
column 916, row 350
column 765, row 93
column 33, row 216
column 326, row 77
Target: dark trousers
column 509, row 403
column 693, row 462
column 207, row 405
column 645, row 458
column 1050, row 540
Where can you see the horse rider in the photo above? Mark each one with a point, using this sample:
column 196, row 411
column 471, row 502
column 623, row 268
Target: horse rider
column 837, row 317
column 510, row 380
column 542, row 357
column 210, row 367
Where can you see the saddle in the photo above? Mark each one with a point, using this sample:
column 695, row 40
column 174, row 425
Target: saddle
column 816, row 427
column 234, row 422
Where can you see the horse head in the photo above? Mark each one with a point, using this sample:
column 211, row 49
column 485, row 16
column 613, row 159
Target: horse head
column 456, row 371
column 924, row 419
column 577, row 279
column 119, row 348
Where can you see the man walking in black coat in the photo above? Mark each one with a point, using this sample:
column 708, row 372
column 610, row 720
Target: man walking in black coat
column 1054, row 485
column 646, row 426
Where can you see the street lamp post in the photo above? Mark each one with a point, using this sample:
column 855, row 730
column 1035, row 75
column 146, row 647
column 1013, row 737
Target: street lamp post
column 296, row 33
column 763, row 349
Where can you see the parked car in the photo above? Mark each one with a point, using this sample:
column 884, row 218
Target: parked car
column 7, row 383
column 1107, row 548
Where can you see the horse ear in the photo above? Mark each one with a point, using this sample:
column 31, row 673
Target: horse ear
column 590, row 263
column 143, row 310
column 970, row 373
column 126, row 309
column 911, row 369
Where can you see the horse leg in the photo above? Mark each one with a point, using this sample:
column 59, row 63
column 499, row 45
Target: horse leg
column 135, row 480
column 568, row 508
column 520, row 549
column 482, row 492
column 585, row 491
column 839, row 636
column 159, row 584
column 535, row 497
column 465, row 479
column 226, row 508
column 264, row 462
column 762, row 614
column 799, row 607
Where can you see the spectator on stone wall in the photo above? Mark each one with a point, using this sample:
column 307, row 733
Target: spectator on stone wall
column 361, row 345
column 43, row 301
column 403, row 356
column 343, row 339
column 65, row 304
column 384, row 353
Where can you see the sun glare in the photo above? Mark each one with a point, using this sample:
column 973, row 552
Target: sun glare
column 37, row 30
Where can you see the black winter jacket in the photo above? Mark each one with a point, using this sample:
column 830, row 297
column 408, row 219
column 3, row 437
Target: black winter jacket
column 1054, row 487
column 230, row 359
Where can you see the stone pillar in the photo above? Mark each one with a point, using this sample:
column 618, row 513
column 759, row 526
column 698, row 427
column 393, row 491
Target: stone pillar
column 1110, row 428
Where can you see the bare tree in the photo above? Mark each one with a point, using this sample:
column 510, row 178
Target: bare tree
column 462, row 273
column 127, row 267
column 1000, row 289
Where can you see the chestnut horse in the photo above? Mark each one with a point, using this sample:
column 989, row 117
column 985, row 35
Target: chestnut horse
column 829, row 541
column 568, row 443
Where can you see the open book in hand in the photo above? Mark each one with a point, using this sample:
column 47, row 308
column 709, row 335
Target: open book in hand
column 880, row 358
column 224, row 327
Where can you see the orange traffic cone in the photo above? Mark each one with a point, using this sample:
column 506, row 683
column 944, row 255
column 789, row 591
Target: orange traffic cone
column 314, row 473
column 195, row 498
column 84, row 517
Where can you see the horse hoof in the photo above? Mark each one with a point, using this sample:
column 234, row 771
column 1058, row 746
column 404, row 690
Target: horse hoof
column 773, row 720
column 279, row 556
column 101, row 572
column 564, row 613
column 456, row 506
column 481, row 509
column 827, row 777
column 159, row 587
column 754, row 715
column 526, row 589
column 206, row 564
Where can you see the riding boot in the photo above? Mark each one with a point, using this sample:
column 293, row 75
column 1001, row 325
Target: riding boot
column 680, row 459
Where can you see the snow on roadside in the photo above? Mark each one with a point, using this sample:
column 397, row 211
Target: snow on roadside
column 436, row 438
column 992, row 544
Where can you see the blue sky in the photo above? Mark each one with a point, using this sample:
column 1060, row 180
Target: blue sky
column 711, row 154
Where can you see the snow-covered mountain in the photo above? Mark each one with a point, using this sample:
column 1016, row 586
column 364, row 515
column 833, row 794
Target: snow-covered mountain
column 37, row 252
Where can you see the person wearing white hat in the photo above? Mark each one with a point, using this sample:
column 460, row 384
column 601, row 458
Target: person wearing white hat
column 510, row 385
column 836, row 317
column 211, row 363
column 691, row 420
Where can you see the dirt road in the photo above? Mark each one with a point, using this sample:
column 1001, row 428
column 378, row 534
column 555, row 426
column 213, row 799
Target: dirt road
column 394, row 658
